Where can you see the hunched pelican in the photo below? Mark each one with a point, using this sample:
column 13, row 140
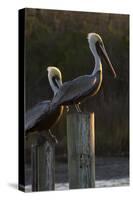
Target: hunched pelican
column 72, row 92
column 44, row 115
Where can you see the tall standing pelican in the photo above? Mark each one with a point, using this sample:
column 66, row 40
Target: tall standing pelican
column 72, row 92
column 44, row 115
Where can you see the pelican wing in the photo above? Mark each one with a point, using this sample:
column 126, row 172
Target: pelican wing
column 33, row 116
column 72, row 91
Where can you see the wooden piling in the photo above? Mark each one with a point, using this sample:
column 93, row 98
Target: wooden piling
column 43, row 166
column 81, row 150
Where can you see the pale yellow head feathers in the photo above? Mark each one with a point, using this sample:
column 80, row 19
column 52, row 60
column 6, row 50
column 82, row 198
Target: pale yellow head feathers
column 94, row 37
column 54, row 71
column 55, row 78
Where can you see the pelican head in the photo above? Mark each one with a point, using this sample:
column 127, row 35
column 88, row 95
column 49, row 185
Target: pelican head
column 55, row 78
column 94, row 37
column 97, row 47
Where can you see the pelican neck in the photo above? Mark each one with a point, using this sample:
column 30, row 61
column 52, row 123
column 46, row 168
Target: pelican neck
column 98, row 64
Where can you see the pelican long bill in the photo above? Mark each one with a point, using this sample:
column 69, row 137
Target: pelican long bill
column 105, row 56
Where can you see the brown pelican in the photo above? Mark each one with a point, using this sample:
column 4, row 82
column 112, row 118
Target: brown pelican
column 44, row 115
column 72, row 92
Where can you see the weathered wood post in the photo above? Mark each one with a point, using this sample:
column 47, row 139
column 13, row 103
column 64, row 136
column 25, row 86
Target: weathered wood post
column 81, row 150
column 43, row 166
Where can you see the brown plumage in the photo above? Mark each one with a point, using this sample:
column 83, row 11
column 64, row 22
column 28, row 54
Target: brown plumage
column 44, row 115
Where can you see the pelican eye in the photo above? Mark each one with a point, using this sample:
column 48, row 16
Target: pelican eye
column 99, row 42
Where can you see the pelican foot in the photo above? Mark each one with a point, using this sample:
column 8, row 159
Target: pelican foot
column 78, row 108
column 53, row 138
column 67, row 108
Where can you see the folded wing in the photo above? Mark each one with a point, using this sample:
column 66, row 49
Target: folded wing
column 72, row 91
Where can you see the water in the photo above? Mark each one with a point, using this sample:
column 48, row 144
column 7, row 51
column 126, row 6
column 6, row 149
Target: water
column 99, row 184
